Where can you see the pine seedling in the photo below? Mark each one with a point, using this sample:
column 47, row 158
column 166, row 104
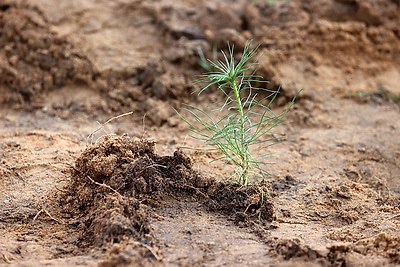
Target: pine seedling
column 245, row 130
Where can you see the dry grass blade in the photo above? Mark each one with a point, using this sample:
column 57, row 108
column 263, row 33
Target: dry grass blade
column 101, row 127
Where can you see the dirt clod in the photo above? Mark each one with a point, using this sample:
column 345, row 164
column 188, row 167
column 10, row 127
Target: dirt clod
column 115, row 177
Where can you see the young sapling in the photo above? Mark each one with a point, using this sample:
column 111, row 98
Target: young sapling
column 245, row 129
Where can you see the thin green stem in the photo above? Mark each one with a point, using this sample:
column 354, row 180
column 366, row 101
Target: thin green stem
column 244, row 155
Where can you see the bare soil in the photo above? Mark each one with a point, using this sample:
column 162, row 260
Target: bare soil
column 76, row 193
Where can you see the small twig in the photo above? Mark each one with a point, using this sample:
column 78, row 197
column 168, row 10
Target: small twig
column 144, row 126
column 199, row 192
column 96, row 183
column 90, row 136
column 395, row 216
column 61, row 190
column 247, row 208
column 103, row 185
column 48, row 214
column 150, row 166
column 6, row 259
column 158, row 258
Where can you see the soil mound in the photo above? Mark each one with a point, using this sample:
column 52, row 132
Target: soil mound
column 304, row 42
column 33, row 59
column 117, row 181
column 331, row 40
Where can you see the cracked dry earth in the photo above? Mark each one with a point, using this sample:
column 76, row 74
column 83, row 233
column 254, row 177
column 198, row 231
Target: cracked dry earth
column 128, row 196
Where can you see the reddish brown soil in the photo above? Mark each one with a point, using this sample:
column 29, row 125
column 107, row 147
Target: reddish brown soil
column 117, row 199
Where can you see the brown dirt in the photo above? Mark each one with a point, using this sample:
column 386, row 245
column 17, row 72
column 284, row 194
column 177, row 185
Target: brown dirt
column 114, row 200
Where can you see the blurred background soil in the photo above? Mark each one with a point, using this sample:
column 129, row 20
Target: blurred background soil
column 335, row 189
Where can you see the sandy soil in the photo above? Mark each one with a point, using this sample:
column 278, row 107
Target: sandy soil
column 71, row 199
